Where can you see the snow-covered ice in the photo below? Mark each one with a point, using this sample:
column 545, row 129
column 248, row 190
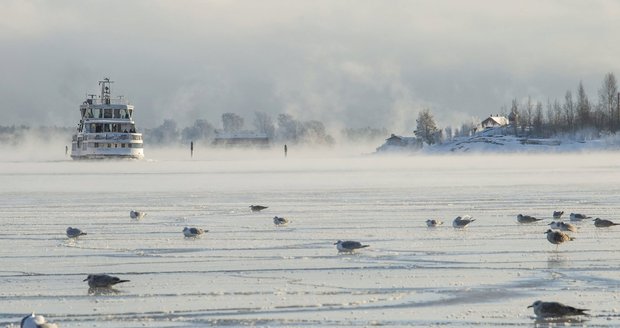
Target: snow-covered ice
column 249, row 272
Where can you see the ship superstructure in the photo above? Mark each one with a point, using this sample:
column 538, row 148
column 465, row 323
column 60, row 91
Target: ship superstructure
column 106, row 128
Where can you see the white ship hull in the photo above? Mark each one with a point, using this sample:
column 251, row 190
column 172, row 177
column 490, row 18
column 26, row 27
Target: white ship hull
column 107, row 145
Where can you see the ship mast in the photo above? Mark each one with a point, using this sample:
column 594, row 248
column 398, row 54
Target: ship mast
column 105, row 90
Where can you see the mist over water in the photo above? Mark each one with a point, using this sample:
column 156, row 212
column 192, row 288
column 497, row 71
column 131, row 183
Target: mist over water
column 246, row 271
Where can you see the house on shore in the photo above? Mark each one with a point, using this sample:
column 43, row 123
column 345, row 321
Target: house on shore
column 240, row 139
column 494, row 122
column 400, row 143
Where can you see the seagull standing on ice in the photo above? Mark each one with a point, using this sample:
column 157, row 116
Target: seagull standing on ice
column 102, row 280
column 348, row 246
column 555, row 310
column 526, row 219
column 74, row 232
column 462, row 222
column 431, row 223
column 559, row 225
column 36, row 321
column 193, row 232
column 557, row 214
column 278, row 221
column 578, row 217
column 557, row 237
column 601, row 223
column 136, row 215
column 257, row 208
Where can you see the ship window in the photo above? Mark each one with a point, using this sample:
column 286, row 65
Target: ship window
column 130, row 113
column 122, row 145
column 96, row 145
column 124, row 113
column 97, row 112
column 83, row 111
column 99, row 128
column 136, row 145
column 109, row 145
column 107, row 113
column 89, row 112
column 115, row 145
column 117, row 113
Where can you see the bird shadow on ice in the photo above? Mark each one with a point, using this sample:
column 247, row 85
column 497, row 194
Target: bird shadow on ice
column 560, row 321
column 557, row 260
column 103, row 291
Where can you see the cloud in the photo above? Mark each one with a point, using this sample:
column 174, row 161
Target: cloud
column 347, row 63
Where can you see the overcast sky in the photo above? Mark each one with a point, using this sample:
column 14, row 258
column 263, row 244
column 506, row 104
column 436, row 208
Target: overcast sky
column 347, row 63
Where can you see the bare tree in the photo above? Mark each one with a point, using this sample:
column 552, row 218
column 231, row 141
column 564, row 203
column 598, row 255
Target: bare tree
column 583, row 107
column 264, row 124
column 607, row 95
column 537, row 121
column 201, row 130
column 165, row 134
column 569, row 111
column 232, row 122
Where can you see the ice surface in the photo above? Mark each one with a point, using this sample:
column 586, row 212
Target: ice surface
column 246, row 271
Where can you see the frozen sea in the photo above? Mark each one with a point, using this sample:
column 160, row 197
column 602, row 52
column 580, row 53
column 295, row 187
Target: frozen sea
column 246, row 271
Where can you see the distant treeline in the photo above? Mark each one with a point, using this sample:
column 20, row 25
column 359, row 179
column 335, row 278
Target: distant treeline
column 576, row 112
column 285, row 129
column 575, row 115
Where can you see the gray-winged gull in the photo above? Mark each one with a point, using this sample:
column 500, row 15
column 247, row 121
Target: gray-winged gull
column 602, row 223
column 557, row 214
column 462, row 222
column 36, row 321
column 555, row 310
column 578, row 217
column 349, row 246
column 193, row 232
column 557, row 237
column 74, row 232
column 526, row 219
column 433, row 223
column 102, row 280
column 257, row 208
column 563, row 226
column 136, row 215
column 279, row 221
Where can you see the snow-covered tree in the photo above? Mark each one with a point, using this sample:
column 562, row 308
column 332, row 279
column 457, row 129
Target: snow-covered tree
column 426, row 128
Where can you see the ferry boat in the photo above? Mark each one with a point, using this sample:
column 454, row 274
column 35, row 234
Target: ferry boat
column 106, row 128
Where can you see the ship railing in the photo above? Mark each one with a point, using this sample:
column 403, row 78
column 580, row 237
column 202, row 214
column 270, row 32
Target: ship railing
column 112, row 101
column 114, row 136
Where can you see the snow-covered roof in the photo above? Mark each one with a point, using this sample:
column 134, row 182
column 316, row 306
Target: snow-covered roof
column 494, row 121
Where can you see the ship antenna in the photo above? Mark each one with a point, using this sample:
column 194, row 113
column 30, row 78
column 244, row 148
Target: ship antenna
column 105, row 90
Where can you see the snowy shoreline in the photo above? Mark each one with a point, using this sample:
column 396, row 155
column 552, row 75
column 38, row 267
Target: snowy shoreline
column 490, row 142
